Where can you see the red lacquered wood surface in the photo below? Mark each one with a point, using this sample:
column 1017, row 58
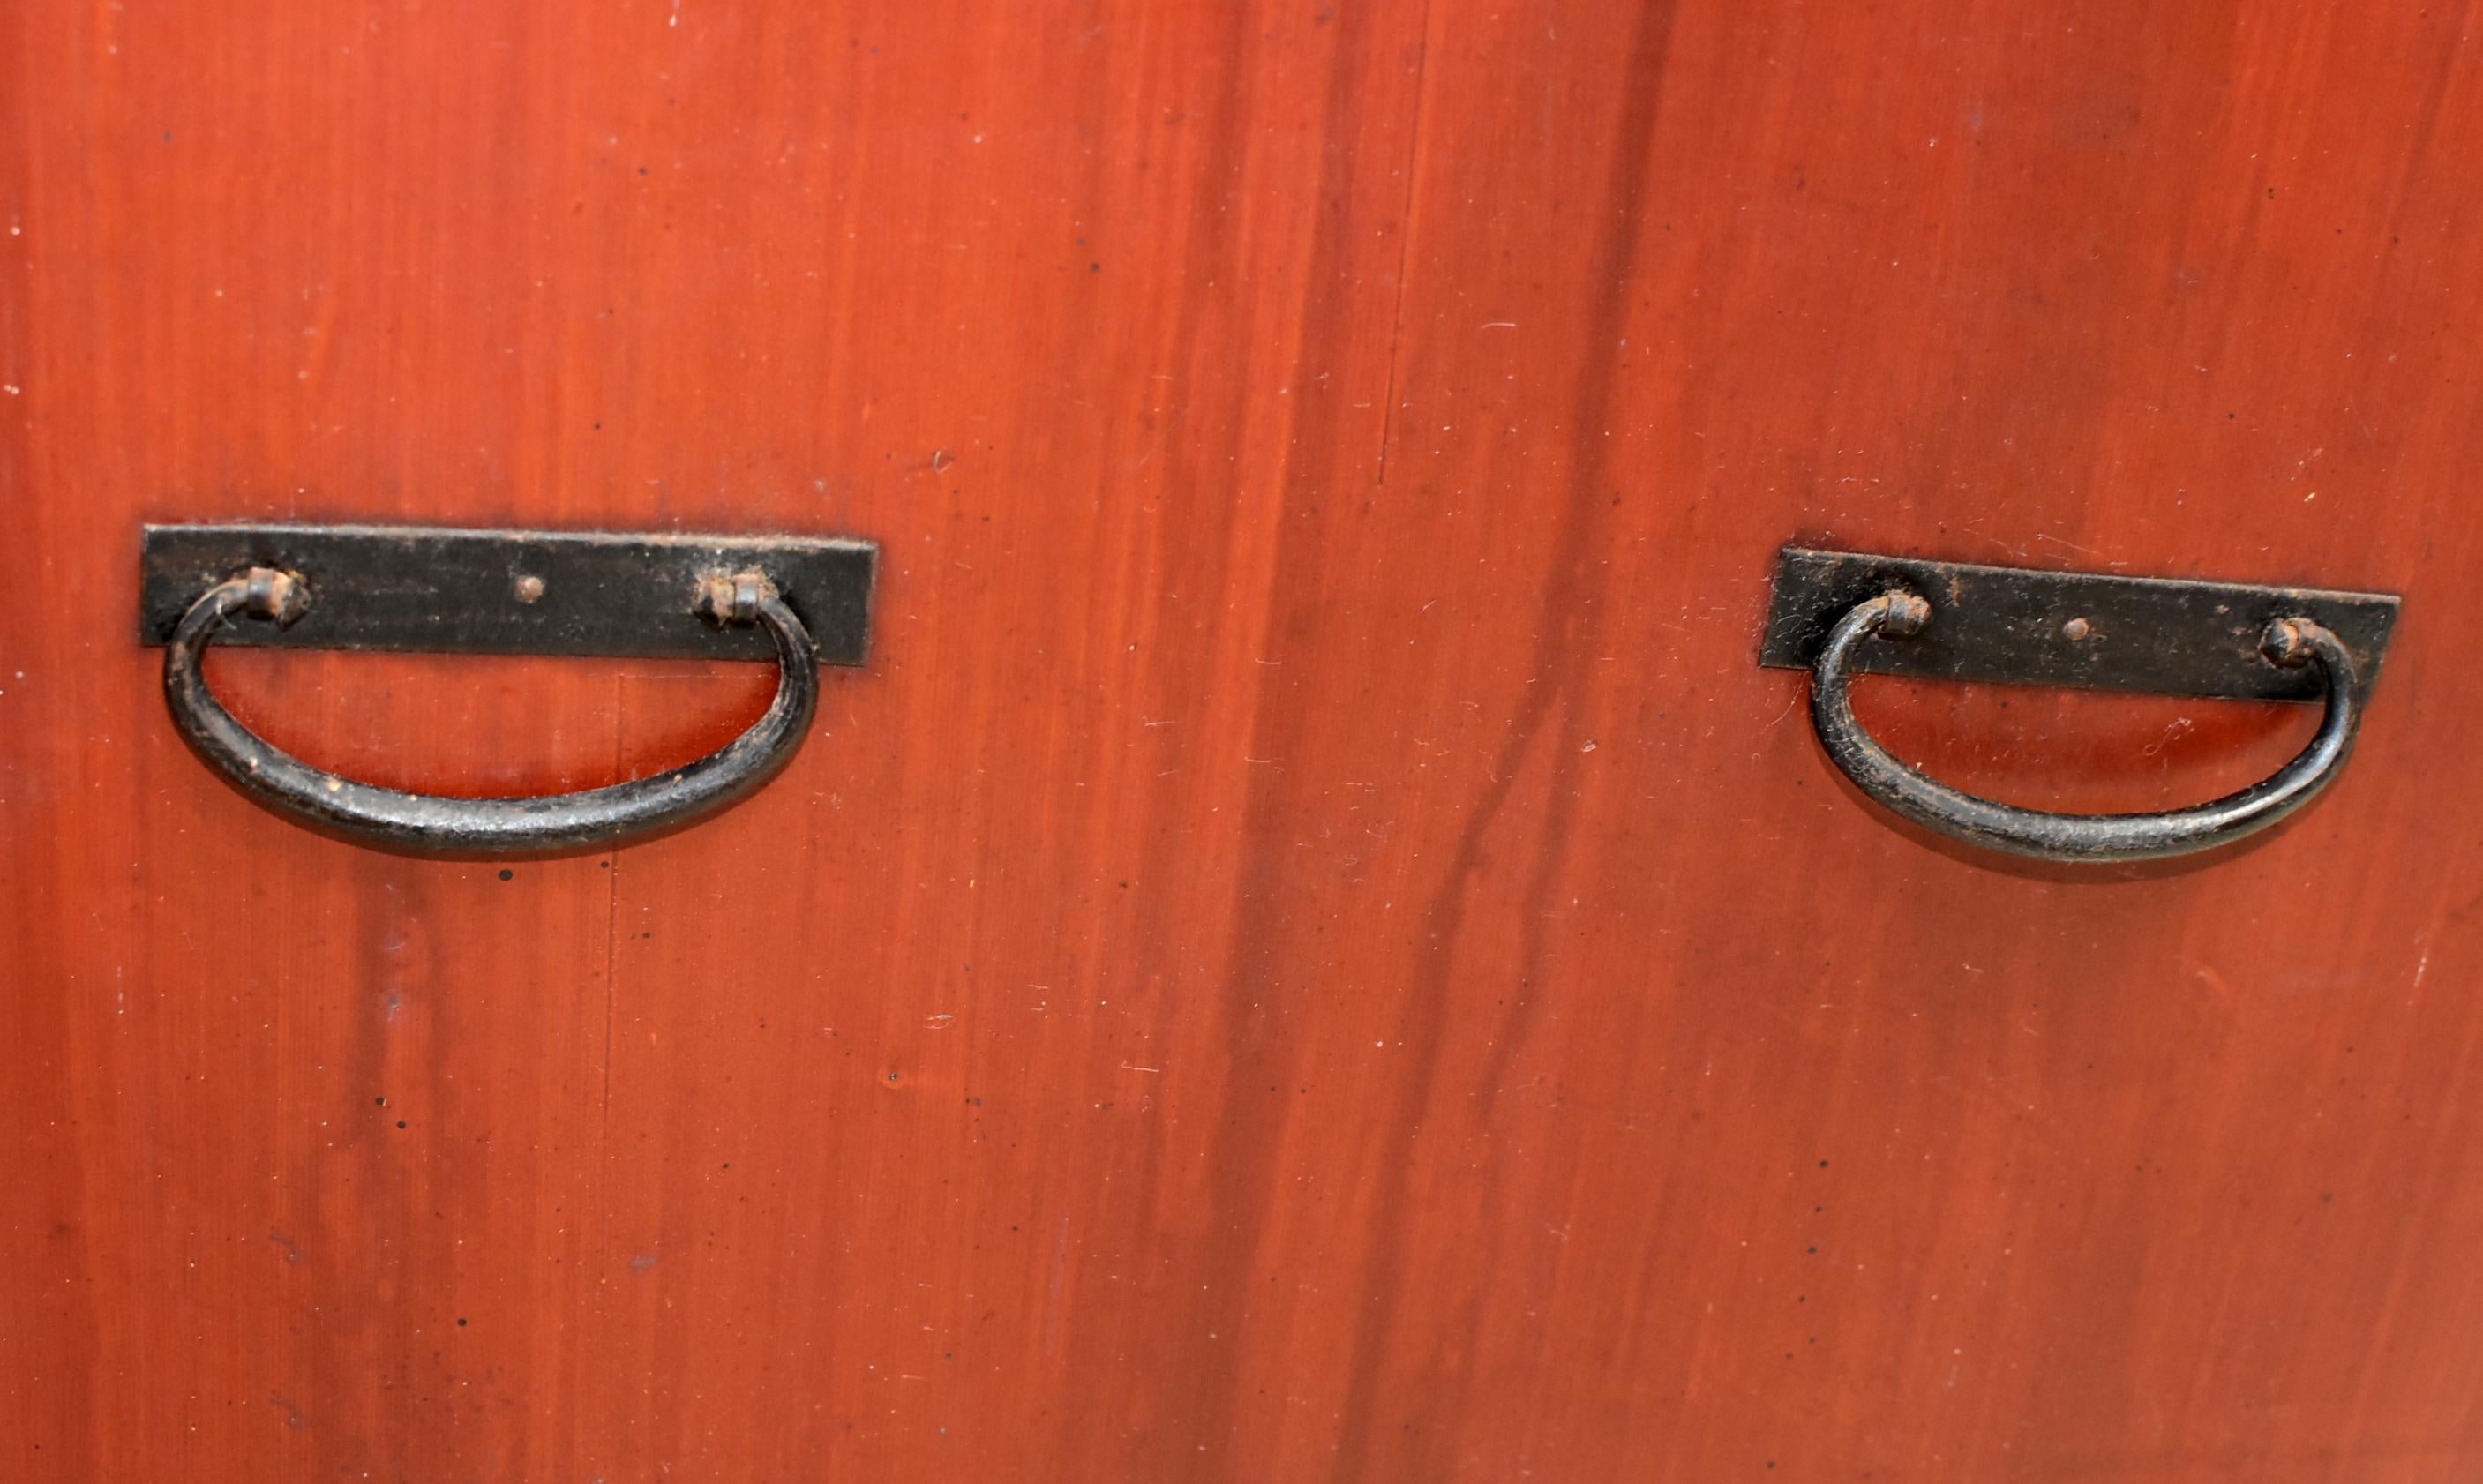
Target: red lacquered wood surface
column 1311, row 952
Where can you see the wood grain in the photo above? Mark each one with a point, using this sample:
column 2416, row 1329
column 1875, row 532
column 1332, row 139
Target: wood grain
column 1313, row 951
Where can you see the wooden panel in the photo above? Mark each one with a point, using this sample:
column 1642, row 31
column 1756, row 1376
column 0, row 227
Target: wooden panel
column 1312, row 951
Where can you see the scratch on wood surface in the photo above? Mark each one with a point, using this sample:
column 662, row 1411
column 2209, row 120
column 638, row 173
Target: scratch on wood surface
column 1406, row 239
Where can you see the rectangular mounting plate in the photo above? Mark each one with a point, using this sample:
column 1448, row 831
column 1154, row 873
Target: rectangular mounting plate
column 591, row 593
column 2013, row 626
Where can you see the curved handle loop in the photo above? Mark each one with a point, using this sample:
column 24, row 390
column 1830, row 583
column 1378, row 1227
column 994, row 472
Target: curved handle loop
column 429, row 824
column 1894, row 617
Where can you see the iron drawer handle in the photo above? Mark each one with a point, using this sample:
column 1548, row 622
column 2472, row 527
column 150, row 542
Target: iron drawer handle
column 1898, row 615
column 427, row 824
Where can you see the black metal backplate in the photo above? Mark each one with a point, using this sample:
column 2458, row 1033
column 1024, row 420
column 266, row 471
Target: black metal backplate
column 510, row 591
column 2094, row 631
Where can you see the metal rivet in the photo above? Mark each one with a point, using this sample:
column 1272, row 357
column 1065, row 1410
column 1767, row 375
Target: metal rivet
column 2076, row 628
column 529, row 588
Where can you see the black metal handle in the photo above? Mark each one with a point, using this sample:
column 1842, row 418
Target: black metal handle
column 1898, row 615
column 426, row 824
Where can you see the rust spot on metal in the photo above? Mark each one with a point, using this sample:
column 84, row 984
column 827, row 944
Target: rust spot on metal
column 2284, row 643
column 274, row 593
column 1907, row 613
column 735, row 599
